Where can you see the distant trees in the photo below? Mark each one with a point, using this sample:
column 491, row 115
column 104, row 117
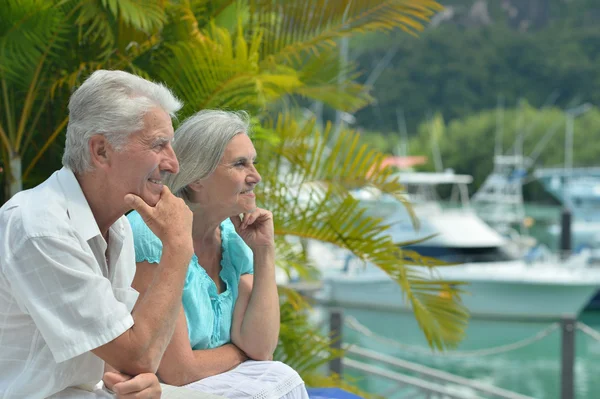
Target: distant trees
column 467, row 144
column 458, row 71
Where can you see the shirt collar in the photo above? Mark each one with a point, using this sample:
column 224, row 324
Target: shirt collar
column 79, row 210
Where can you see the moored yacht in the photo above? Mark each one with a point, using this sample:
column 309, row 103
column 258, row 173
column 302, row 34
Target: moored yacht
column 501, row 283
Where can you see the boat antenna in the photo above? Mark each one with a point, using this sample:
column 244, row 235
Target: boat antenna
column 499, row 125
column 401, row 121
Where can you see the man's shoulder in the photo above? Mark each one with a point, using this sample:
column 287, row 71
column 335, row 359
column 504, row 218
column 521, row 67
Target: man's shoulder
column 39, row 211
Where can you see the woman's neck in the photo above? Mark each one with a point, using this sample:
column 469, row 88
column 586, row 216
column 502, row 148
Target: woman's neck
column 205, row 228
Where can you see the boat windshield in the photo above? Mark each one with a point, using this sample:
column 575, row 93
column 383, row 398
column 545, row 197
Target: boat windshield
column 465, row 255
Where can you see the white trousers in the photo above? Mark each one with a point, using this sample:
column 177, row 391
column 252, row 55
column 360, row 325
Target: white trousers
column 255, row 380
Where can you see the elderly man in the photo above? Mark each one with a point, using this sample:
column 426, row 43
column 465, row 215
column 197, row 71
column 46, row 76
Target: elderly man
column 67, row 259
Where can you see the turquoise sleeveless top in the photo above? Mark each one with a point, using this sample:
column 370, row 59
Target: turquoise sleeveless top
column 208, row 313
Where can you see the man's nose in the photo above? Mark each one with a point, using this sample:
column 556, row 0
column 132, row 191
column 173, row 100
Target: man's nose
column 170, row 163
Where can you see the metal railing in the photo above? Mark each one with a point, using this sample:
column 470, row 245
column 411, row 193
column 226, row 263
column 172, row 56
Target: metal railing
column 432, row 383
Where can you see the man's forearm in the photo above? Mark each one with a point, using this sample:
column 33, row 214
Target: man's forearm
column 156, row 312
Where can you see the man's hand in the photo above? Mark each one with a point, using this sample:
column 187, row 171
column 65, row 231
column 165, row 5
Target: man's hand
column 125, row 387
column 170, row 219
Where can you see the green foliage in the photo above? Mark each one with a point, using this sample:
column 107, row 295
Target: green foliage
column 309, row 198
column 460, row 70
column 468, row 143
column 253, row 55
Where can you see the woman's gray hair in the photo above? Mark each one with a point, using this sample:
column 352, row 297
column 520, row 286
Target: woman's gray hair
column 111, row 103
column 199, row 144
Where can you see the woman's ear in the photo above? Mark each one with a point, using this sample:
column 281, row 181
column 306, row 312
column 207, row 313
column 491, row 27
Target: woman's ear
column 195, row 186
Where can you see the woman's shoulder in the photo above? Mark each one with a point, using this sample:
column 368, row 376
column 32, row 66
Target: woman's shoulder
column 148, row 246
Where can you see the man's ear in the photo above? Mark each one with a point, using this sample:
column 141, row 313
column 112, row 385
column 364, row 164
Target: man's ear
column 100, row 151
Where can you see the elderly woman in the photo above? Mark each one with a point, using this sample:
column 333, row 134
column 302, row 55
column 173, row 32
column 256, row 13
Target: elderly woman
column 228, row 326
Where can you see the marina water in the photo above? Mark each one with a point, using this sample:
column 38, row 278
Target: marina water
column 532, row 370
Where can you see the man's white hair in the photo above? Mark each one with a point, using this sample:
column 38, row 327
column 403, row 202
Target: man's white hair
column 111, row 103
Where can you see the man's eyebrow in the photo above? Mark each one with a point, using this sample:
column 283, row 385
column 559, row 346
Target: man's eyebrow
column 162, row 140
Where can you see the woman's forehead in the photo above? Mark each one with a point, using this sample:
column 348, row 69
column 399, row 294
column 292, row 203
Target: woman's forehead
column 240, row 146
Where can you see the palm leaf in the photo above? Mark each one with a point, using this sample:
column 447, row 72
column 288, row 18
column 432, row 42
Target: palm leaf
column 306, row 348
column 206, row 11
column 309, row 200
column 328, row 80
column 105, row 21
column 294, row 29
column 292, row 259
column 311, row 158
column 223, row 72
column 26, row 29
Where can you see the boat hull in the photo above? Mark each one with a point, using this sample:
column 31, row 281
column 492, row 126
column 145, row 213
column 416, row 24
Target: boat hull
column 485, row 299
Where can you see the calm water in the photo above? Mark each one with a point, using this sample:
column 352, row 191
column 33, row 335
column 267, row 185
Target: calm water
column 533, row 370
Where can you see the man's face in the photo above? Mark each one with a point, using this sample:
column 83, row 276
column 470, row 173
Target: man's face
column 139, row 167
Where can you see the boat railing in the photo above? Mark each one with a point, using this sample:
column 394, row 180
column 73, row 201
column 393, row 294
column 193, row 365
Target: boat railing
column 415, row 380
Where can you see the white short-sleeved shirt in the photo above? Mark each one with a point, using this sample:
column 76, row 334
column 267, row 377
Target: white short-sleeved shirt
column 59, row 296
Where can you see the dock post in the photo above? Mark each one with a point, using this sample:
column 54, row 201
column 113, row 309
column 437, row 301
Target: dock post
column 565, row 233
column 335, row 331
column 567, row 381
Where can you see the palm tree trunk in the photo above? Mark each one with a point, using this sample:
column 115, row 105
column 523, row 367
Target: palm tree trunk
column 14, row 179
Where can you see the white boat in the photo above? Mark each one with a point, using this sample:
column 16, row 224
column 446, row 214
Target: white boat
column 577, row 189
column 501, row 284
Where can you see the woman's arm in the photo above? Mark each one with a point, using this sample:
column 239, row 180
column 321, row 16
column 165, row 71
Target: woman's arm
column 180, row 364
column 255, row 326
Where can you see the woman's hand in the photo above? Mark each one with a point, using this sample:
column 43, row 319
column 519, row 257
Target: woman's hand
column 126, row 387
column 256, row 228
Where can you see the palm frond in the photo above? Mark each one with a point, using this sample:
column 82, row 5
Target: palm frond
column 307, row 354
column 26, row 29
column 143, row 15
column 293, row 260
column 327, row 79
column 309, row 199
column 307, row 348
column 206, row 11
column 222, row 72
column 105, row 21
column 311, row 157
column 293, row 29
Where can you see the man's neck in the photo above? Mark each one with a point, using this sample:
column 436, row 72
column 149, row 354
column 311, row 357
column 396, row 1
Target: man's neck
column 101, row 201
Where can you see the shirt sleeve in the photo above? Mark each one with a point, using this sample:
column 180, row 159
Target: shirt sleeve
column 242, row 256
column 148, row 247
column 61, row 287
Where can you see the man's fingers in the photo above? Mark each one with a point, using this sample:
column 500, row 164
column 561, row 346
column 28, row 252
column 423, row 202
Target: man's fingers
column 138, row 204
column 111, row 378
column 136, row 384
column 165, row 191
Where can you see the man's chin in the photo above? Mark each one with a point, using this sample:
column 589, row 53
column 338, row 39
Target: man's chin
column 150, row 199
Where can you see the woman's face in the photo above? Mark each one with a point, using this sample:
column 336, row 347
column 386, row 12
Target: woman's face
column 230, row 187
